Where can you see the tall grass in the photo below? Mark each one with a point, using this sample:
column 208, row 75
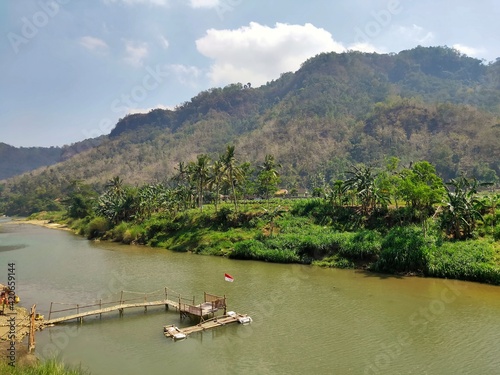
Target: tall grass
column 470, row 260
column 49, row 367
column 405, row 249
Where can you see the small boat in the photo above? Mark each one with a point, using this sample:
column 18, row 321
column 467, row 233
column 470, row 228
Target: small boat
column 179, row 336
column 174, row 332
column 244, row 319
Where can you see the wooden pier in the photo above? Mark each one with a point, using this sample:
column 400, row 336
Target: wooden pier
column 203, row 313
column 168, row 298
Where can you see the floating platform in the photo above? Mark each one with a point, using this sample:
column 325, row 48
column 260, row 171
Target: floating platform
column 181, row 333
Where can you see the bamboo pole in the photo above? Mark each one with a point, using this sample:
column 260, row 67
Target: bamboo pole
column 50, row 311
column 31, row 341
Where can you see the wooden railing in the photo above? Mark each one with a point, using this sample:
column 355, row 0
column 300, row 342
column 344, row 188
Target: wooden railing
column 166, row 294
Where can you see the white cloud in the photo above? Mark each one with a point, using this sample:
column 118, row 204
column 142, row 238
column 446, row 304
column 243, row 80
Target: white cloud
column 415, row 34
column 187, row 75
column 204, row 3
column 258, row 53
column 93, row 44
column 139, row 2
column 136, row 52
column 147, row 110
column 469, row 51
column 365, row 47
column 164, row 42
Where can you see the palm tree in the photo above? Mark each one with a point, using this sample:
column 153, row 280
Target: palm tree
column 462, row 208
column 215, row 179
column 199, row 173
column 362, row 182
column 269, row 177
column 232, row 172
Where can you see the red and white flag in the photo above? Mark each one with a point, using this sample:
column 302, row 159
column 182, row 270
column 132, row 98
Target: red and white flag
column 228, row 277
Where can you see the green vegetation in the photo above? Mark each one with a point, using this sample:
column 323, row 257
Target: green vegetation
column 50, row 367
column 337, row 110
column 402, row 220
column 387, row 154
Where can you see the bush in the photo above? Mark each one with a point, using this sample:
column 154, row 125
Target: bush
column 469, row 260
column 496, row 233
column 361, row 245
column 49, row 367
column 118, row 231
column 256, row 250
column 135, row 234
column 97, row 227
column 404, row 249
column 334, row 261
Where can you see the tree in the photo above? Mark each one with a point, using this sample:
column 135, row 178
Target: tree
column 268, row 177
column 118, row 202
column 79, row 200
column 215, row 179
column 362, row 182
column 199, row 173
column 232, row 172
column 462, row 208
column 420, row 186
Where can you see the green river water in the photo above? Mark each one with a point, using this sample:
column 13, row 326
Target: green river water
column 306, row 320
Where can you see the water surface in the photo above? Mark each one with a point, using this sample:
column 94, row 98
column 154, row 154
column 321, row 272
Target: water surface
column 306, row 319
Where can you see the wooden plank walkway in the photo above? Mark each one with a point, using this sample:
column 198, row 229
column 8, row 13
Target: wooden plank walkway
column 173, row 331
column 119, row 307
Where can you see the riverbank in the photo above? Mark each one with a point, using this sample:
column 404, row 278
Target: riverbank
column 22, row 356
column 42, row 223
column 295, row 233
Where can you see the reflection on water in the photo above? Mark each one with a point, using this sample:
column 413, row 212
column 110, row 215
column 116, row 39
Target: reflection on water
column 305, row 319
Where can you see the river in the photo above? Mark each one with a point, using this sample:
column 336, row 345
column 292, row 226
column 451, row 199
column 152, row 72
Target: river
column 305, row 319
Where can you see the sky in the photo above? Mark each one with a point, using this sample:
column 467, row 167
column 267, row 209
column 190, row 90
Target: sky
column 70, row 69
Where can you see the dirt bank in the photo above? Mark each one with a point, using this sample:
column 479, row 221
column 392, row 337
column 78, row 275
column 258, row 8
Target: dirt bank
column 41, row 223
column 21, row 317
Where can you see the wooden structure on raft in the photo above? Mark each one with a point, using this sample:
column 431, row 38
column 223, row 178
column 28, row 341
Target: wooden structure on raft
column 181, row 333
column 206, row 310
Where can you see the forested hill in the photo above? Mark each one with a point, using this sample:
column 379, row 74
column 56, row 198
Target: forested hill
column 429, row 103
column 17, row 160
column 14, row 161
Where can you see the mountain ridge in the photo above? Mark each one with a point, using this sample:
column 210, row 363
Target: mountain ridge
column 430, row 103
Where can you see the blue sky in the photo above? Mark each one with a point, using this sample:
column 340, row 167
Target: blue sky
column 69, row 69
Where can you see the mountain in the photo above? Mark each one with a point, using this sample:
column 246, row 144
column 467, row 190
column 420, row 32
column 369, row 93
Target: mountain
column 430, row 103
column 17, row 160
column 14, row 161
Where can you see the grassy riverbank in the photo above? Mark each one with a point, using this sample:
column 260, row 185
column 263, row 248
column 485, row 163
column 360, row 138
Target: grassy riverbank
column 26, row 363
column 50, row 367
column 310, row 232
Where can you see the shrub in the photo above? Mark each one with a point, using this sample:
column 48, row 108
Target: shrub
column 136, row 234
column 118, row 231
column 97, row 227
column 496, row 233
column 360, row 245
column 404, row 249
column 334, row 261
column 469, row 260
column 256, row 250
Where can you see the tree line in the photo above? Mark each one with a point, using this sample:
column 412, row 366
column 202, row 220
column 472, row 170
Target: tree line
column 392, row 195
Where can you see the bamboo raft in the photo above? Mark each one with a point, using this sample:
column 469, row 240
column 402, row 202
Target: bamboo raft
column 181, row 333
